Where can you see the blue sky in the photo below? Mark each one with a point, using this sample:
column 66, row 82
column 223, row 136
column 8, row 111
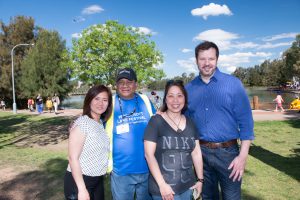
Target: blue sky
column 247, row 31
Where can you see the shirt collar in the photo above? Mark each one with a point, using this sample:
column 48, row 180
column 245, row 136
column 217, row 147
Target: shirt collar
column 216, row 76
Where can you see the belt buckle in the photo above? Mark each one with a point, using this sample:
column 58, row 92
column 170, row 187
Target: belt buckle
column 210, row 145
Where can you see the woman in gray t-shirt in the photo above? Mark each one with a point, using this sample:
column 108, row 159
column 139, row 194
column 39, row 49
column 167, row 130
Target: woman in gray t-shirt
column 172, row 149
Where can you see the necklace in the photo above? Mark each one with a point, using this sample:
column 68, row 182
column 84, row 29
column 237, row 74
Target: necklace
column 177, row 125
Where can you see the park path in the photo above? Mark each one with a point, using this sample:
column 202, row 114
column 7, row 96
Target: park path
column 258, row 115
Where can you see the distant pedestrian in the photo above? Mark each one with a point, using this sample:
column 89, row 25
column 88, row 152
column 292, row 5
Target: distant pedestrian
column 156, row 100
column 3, row 104
column 56, row 102
column 49, row 104
column 279, row 100
column 39, row 104
column 30, row 103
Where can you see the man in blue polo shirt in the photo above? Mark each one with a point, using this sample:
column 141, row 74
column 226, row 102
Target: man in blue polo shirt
column 131, row 113
column 219, row 106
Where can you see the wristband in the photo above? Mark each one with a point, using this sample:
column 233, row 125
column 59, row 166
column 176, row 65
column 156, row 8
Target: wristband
column 201, row 180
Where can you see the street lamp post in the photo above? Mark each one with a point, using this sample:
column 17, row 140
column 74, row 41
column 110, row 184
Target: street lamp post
column 12, row 75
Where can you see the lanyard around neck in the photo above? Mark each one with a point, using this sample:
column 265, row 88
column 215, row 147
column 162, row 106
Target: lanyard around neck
column 132, row 112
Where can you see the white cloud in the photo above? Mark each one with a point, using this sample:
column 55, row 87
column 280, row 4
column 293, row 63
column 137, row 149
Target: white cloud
column 218, row 36
column 231, row 69
column 245, row 45
column 269, row 45
column 92, row 10
column 145, row 30
column 76, row 35
column 186, row 50
column 189, row 65
column 280, row 36
column 211, row 10
column 239, row 58
column 280, row 53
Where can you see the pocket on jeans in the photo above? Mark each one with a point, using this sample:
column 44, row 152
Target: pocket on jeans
column 232, row 150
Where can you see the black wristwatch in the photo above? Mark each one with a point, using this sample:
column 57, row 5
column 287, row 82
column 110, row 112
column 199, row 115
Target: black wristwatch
column 201, row 180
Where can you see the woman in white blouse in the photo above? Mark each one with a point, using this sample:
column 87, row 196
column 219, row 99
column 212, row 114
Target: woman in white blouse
column 88, row 149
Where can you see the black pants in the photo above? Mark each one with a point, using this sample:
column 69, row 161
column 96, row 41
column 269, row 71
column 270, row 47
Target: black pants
column 94, row 186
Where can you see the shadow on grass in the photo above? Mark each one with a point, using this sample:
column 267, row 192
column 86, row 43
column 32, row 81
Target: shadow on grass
column 9, row 123
column 294, row 123
column 39, row 184
column 247, row 196
column 24, row 131
column 287, row 165
column 46, row 183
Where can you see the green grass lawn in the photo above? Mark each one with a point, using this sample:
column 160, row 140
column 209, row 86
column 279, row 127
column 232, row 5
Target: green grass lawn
column 273, row 168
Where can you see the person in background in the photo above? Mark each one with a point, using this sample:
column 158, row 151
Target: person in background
column 88, row 148
column 219, row 106
column 49, row 104
column 279, row 100
column 39, row 104
column 30, row 103
column 2, row 104
column 172, row 149
column 155, row 99
column 56, row 102
column 152, row 96
column 131, row 113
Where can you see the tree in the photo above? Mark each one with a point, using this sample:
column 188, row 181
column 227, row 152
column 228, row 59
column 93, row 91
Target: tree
column 292, row 56
column 104, row 48
column 241, row 73
column 45, row 69
column 19, row 30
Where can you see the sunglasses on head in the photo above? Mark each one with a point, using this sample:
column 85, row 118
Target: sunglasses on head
column 180, row 82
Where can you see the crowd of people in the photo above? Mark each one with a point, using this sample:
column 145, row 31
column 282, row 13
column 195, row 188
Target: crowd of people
column 51, row 104
column 195, row 144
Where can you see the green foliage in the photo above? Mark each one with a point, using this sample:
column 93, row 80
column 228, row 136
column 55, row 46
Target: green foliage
column 19, row 30
column 160, row 84
column 292, row 56
column 104, row 48
column 39, row 69
column 45, row 68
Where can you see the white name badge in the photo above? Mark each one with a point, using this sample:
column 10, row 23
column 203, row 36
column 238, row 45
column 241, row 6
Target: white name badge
column 123, row 128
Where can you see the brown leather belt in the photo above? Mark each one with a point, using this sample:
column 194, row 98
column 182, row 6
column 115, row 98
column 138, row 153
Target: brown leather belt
column 214, row 145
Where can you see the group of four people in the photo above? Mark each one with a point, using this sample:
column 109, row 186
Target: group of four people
column 189, row 146
column 50, row 103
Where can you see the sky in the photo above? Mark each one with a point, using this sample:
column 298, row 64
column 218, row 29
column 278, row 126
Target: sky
column 247, row 32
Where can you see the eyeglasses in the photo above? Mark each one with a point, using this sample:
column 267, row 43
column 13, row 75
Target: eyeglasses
column 175, row 82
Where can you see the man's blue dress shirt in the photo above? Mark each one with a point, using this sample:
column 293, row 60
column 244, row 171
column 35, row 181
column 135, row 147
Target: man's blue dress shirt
column 220, row 109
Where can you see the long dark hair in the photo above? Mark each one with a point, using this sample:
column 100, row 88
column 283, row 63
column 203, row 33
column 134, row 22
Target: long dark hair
column 91, row 94
column 179, row 84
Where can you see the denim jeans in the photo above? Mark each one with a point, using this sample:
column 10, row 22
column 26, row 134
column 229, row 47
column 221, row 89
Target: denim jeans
column 187, row 195
column 215, row 168
column 124, row 187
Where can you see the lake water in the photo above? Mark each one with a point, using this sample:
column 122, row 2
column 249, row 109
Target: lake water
column 264, row 96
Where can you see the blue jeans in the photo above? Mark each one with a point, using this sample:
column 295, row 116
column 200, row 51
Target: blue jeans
column 40, row 108
column 215, row 168
column 187, row 195
column 124, row 187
